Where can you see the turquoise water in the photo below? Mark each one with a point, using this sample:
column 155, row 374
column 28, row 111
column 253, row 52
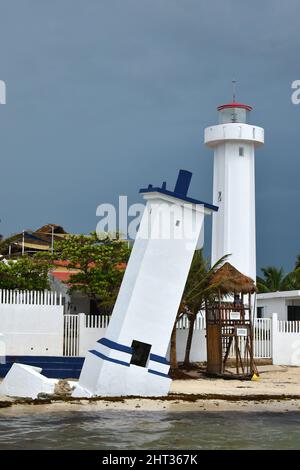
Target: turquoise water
column 150, row 430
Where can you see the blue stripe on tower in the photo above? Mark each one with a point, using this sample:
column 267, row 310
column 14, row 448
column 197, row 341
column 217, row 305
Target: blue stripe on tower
column 113, row 345
column 151, row 371
column 160, row 359
column 110, row 359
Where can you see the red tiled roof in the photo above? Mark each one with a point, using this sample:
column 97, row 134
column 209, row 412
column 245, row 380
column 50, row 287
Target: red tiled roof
column 66, row 263
column 63, row 276
column 61, row 262
column 122, row 266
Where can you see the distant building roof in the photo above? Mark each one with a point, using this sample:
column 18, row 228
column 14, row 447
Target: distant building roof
column 32, row 240
column 63, row 276
column 57, row 229
column 279, row 294
column 62, row 272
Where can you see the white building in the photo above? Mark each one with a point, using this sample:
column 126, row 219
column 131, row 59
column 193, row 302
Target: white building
column 286, row 304
column 234, row 142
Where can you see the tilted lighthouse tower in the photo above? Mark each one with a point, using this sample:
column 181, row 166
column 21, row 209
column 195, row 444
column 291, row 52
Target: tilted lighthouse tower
column 131, row 358
column 234, row 142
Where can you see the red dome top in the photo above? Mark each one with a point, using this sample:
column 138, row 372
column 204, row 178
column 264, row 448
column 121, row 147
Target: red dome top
column 234, row 105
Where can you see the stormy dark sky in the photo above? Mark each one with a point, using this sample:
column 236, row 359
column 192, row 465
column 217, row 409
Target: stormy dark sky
column 105, row 96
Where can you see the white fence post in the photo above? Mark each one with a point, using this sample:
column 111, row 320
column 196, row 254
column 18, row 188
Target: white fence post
column 274, row 337
column 82, row 320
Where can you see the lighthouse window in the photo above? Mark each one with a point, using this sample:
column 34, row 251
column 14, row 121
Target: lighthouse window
column 241, row 151
column 140, row 353
column 177, row 223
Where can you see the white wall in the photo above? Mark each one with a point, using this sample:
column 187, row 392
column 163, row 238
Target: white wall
column 31, row 329
column 198, row 349
column 277, row 305
column 285, row 344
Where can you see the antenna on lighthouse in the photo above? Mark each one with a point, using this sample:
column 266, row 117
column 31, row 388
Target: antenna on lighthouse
column 233, row 90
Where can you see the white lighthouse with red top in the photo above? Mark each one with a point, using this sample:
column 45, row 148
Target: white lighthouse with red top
column 234, row 141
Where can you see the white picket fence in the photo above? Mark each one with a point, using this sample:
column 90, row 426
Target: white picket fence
column 96, row 321
column 80, row 331
column 29, row 297
column 288, row 326
column 183, row 323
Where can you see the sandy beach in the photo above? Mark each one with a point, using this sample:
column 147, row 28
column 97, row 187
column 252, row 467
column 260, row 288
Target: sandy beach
column 277, row 390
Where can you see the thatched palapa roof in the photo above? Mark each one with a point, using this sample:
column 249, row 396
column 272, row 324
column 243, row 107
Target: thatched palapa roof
column 231, row 281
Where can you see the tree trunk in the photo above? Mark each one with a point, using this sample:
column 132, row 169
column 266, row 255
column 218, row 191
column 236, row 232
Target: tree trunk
column 189, row 340
column 173, row 354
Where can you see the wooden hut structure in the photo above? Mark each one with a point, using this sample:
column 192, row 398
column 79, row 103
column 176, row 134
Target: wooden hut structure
column 229, row 324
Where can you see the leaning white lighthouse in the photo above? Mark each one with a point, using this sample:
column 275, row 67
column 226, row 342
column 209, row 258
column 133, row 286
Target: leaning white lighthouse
column 234, row 142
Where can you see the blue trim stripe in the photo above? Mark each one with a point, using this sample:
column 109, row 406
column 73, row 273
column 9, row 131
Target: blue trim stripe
column 160, row 359
column 113, row 345
column 110, row 359
column 151, row 371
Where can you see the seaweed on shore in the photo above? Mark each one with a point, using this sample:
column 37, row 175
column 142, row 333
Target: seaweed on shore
column 174, row 397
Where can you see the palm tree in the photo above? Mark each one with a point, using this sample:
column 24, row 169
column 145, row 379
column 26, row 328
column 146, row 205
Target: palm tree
column 275, row 280
column 272, row 279
column 173, row 352
column 198, row 270
column 197, row 291
column 292, row 280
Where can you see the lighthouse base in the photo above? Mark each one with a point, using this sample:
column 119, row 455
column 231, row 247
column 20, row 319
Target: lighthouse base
column 112, row 374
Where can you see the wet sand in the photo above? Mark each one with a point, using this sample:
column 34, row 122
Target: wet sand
column 277, row 390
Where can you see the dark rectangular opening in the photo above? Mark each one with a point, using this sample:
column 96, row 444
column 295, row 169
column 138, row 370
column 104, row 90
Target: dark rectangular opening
column 94, row 308
column 293, row 312
column 140, row 353
column 260, row 312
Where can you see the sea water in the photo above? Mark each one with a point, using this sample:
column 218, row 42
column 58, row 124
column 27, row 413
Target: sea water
column 112, row 430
